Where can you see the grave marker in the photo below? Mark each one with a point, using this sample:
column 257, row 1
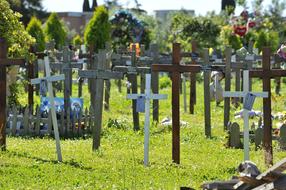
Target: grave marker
column 176, row 69
column 132, row 72
column 243, row 95
column 99, row 75
column 4, row 62
column 49, row 80
column 148, row 96
column 266, row 74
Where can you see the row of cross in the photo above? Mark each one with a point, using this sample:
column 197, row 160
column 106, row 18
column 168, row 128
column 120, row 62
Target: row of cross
column 99, row 73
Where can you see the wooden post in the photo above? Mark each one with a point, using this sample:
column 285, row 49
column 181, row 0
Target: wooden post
column 107, row 94
column 4, row 61
column 155, row 81
column 67, row 70
column 207, row 103
column 277, row 65
column 267, row 141
column 133, row 80
column 92, row 65
column 30, row 87
column 193, row 82
column 227, row 86
column 107, row 82
column 176, row 104
column 185, row 92
column 99, row 84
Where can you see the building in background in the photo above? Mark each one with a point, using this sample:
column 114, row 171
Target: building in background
column 75, row 21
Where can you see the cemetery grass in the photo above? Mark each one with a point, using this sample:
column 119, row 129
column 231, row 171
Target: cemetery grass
column 30, row 163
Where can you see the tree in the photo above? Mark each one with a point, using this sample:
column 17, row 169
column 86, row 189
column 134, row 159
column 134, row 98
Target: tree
column 55, row 30
column 34, row 28
column 86, row 6
column 97, row 31
column 28, row 8
column 19, row 41
column 228, row 5
column 94, row 5
column 77, row 41
column 186, row 28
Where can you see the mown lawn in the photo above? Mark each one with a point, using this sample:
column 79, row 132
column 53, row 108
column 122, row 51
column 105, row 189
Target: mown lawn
column 118, row 164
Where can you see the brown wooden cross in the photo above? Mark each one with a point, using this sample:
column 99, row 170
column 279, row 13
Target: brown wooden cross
column 4, row 62
column 266, row 74
column 176, row 69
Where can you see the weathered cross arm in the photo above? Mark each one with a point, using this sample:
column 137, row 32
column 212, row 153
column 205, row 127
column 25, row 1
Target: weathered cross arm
column 100, row 74
column 177, row 68
column 243, row 94
column 11, row 62
column 259, row 73
column 62, row 66
column 48, row 79
column 150, row 97
column 131, row 69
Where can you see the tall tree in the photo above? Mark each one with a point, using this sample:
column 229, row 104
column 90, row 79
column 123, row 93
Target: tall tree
column 55, row 30
column 97, row 31
column 28, row 9
column 94, row 5
column 228, row 5
column 86, row 6
column 34, row 28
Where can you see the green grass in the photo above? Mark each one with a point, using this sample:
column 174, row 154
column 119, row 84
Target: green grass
column 118, row 164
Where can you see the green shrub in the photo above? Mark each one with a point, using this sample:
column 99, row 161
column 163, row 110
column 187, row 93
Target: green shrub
column 228, row 38
column 55, row 30
column 77, row 41
column 117, row 124
column 97, row 32
column 164, row 82
column 19, row 41
column 261, row 40
column 34, row 28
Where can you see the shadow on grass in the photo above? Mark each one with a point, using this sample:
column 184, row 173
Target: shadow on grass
column 71, row 163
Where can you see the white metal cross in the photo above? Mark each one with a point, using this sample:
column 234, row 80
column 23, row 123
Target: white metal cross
column 148, row 97
column 49, row 80
column 243, row 94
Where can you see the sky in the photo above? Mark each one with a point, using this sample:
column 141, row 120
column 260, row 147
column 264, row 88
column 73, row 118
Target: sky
column 201, row 7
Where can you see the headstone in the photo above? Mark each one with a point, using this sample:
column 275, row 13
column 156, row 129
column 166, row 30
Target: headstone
column 234, row 140
column 258, row 137
column 282, row 138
